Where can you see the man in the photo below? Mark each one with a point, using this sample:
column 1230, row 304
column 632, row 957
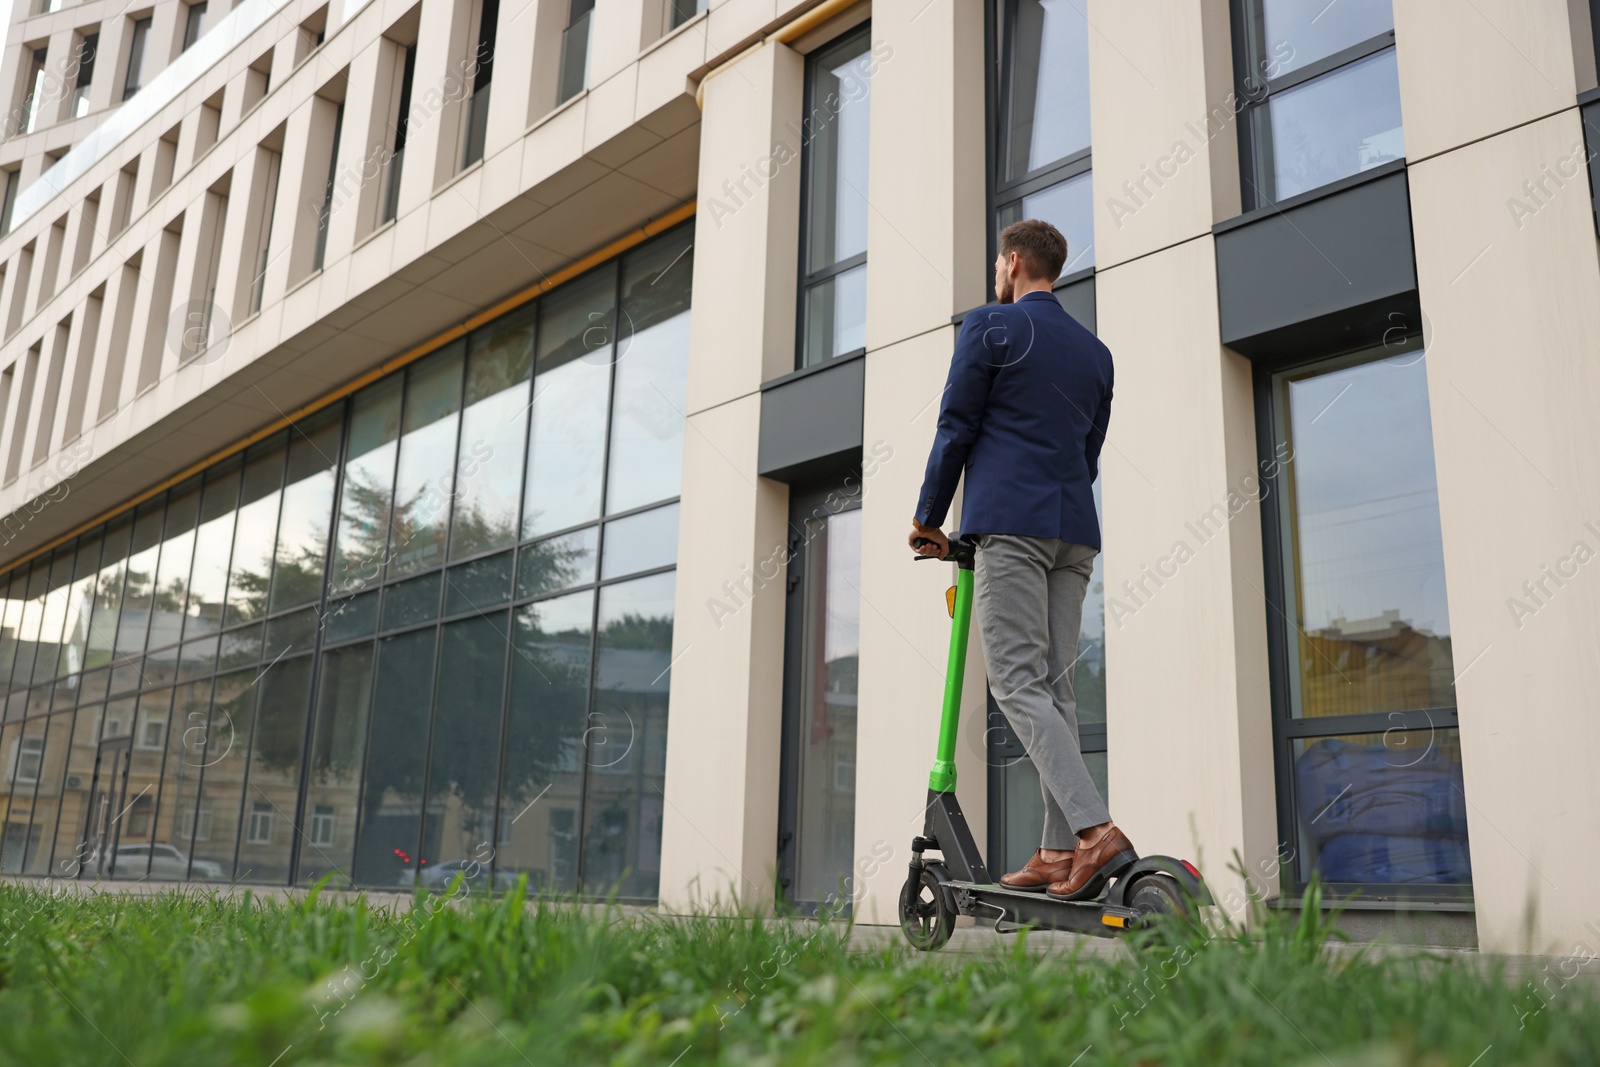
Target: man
column 1024, row 413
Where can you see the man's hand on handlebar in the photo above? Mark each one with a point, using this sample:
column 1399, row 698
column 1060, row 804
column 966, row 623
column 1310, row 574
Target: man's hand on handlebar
column 935, row 543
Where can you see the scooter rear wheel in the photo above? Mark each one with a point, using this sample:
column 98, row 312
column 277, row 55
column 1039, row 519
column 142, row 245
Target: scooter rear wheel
column 1155, row 897
column 927, row 912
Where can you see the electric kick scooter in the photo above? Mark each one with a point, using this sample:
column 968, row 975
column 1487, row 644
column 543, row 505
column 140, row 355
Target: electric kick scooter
column 938, row 890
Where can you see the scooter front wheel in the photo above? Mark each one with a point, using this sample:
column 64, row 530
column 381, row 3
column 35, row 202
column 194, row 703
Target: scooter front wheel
column 927, row 910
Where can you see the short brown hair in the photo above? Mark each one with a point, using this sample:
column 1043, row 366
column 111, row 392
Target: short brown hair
column 1040, row 246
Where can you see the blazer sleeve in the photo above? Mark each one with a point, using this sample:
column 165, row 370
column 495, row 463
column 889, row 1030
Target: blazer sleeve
column 966, row 394
column 1097, row 431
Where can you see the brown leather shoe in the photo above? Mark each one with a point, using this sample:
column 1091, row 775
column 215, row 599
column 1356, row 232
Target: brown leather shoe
column 1096, row 865
column 1037, row 875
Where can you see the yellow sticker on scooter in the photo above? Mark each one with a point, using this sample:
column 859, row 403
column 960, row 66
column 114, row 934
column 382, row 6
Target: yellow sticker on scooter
column 950, row 600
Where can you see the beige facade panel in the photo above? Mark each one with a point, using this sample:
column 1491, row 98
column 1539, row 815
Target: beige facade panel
column 905, row 632
column 719, row 838
column 1163, row 111
column 1508, row 283
column 1188, row 714
column 1470, row 71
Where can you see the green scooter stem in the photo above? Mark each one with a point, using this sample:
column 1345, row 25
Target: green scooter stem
column 942, row 779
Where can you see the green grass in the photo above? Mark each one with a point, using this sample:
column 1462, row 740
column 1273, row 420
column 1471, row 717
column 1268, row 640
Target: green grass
column 193, row 979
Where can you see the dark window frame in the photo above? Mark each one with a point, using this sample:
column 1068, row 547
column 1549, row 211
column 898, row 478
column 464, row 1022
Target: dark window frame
column 1254, row 87
column 1004, row 193
column 821, row 497
column 811, row 279
column 1286, row 728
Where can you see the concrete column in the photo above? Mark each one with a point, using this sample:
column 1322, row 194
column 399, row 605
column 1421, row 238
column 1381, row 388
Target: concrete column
column 439, row 87
column 1162, row 111
column 76, row 373
column 188, row 284
column 166, row 37
column 1186, row 646
column 53, row 348
column 110, row 362
column 926, row 258
column 60, row 72
column 719, row 833
column 513, row 75
column 147, row 340
column 248, row 215
column 303, row 179
column 1512, row 396
column 13, row 296
column 363, row 146
column 109, row 66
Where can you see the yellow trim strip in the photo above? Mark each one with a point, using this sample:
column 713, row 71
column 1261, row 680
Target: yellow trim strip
column 411, row 355
column 788, row 32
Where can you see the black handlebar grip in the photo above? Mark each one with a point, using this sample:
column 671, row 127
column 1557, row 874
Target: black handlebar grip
column 918, row 543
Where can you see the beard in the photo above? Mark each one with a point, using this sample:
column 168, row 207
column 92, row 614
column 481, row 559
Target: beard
column 1004, row 291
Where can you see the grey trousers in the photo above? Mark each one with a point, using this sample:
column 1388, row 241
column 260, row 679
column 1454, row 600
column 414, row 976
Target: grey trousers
column 1030, row 605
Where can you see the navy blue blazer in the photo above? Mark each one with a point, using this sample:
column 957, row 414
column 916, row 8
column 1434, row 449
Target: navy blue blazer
column 1024, row 413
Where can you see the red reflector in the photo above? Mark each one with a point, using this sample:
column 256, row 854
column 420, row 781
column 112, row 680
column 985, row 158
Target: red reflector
column 1191, row 869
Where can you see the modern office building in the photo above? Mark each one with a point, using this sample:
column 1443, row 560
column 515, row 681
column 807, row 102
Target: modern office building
column 460, row 436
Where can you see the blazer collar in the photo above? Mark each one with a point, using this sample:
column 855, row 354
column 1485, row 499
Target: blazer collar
column 1037, row 295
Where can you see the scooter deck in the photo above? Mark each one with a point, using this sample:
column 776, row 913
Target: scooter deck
column 992, row 901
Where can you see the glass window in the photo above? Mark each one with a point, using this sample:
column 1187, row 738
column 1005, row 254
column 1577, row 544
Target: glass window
column 493, row 435
column 544, row 741
column 1069, row 207
column 397, row 759
column 368, row 485
column 823, row 734
column 11, row 623
column 625, row 738
column 479, row 585
column 232, row 691
column 559, row 563
column 1384, row 808
column 213, row 544
column 1298, row 34
column 255, row 534
column 464, row 771
column 427, row 448
column 108, row 593
column 1046, row 91
column 1370, row 679
column 1321, row 92
column 88, row 50
column 411, row 602
column 575, row 50
column 833, row 275
column 138, row 42
column 80, row 604
column 180, row 788
column 1042, row 165
column 53, row 617
column 225, row 753
column 1337, row 125
column 307, row 511
column 273, row 780
column 77, row 773
column 641, row 542
column 194, row 24
column 652, row 378
column 338, row 744
column 138, row 592
column 137, row 826
column 352, row 618
column 571, row 394
column 172, row 575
